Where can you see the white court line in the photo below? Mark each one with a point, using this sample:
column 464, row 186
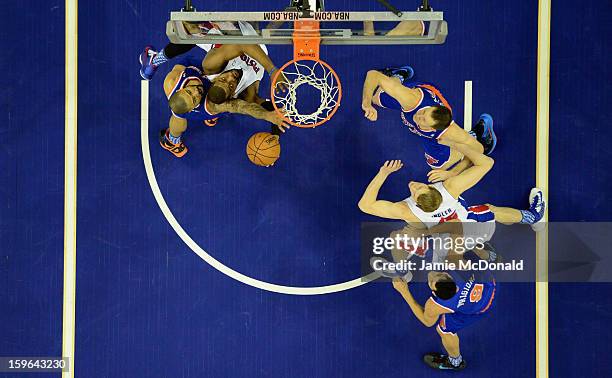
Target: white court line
column 542, row 140
column 70, row 185
column 467, row 106
column 161, row 202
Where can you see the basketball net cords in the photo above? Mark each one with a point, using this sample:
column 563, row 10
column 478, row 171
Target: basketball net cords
column 327, row 86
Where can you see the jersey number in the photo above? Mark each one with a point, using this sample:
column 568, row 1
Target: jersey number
column 476, row 294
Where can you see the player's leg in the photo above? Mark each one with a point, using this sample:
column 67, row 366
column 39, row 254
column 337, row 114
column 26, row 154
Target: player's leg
column 171, row 138
column 532, row 216
column 150, row 60
column 450, row 342
column 452, row 360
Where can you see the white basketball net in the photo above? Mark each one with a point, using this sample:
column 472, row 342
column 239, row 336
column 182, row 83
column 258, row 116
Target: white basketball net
column 318, row 76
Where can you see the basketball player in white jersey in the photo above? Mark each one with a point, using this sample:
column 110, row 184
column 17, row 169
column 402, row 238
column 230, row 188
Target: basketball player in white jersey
column 430, row 205
column 233, row 74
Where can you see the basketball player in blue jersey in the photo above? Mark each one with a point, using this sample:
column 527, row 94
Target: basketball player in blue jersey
column 459, row 299
column 426, row 113
column 192, row 96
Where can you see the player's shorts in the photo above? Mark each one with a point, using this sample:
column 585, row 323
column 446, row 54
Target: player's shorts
column 453, row 323
column 436, row 155
column 480, row 225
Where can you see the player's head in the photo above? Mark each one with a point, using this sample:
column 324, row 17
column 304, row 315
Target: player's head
column 442, row 284
column 427, row 198
column 186, row 99
column 224, row 86
column 433, row 118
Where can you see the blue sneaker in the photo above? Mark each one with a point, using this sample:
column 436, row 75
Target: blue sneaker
column 147, row 68
column 537, row 206
column 483, row 130
column 403, row 73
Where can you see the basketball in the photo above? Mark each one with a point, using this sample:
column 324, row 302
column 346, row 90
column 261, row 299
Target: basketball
column 263, row 149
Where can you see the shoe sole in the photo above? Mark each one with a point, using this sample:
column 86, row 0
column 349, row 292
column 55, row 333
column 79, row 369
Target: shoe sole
column 161, row 143
column 140, row 61
column 491, row 130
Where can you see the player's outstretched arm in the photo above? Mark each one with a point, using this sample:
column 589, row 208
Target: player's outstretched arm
column 251, row 94
column 251, row 109
column 440, row 175
column 374, row 79
column 172, row 77
column 428, row 315
column 369, row 202
column 465, row 180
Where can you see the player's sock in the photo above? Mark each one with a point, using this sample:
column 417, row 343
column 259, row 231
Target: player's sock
column 455, row 361
column 172, row 50
column 528, row 217
column 159, row 58
column 173, row 139
column 535, row 212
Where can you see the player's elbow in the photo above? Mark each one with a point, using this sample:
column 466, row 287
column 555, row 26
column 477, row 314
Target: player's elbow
column 364, row 206
column 371, row 74
column 429, row 323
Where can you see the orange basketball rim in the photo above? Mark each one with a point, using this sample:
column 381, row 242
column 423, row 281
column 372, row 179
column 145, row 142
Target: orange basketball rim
column 306, row 68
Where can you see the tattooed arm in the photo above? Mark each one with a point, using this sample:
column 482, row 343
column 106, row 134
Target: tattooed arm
column 251, row 109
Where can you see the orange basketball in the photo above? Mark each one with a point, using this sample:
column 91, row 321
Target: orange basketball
column 263, row 149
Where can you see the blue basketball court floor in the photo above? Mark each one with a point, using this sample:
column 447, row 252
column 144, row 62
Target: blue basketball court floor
column 194, row 267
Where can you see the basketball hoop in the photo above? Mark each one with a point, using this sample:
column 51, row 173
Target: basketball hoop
column 306, row 69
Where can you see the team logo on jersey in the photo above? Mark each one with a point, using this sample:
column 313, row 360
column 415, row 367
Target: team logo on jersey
column 250, row 62
column 476, row 294
column 413, row 128
column 431, row 160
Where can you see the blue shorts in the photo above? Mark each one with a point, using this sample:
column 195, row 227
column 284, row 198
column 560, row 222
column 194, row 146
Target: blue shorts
column 453, row 323
column 436, row 155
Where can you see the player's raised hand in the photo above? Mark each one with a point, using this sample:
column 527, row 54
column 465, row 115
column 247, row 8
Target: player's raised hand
column 400, row 285
column 282, row 83
column 439, row 175
column 277, row 119
column 369, row 112
column 391, row 166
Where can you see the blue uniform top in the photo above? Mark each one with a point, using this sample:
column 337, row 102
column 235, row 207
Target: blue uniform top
column 475, row 294
column 436, row 154
column 430, row 96
column 200, row 113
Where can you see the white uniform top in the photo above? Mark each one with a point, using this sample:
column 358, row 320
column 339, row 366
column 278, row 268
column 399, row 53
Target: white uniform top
column 449, row 209
column 252, row 70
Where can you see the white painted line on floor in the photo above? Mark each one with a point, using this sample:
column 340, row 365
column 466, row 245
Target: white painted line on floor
column 161, row 202
column 467, row 106
column 70, row 185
